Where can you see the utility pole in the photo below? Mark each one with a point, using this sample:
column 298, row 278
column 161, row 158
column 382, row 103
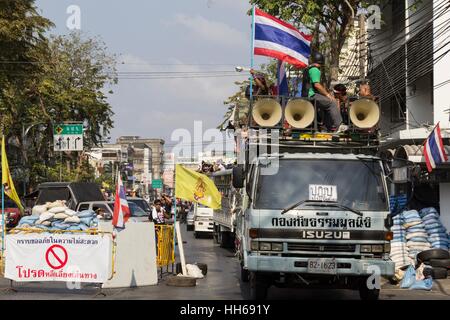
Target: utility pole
column 362, row 46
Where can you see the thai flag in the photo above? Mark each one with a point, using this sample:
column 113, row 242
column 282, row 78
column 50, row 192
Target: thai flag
column 283, row 88
column 434, row 150
column 121, row 209
column 280, row 40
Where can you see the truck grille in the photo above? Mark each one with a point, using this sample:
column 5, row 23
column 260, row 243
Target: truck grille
column 321, row 247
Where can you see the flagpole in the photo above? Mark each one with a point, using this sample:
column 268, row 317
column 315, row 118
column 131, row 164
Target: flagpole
column 252, row 53
column 3, row 203
column 174, row 211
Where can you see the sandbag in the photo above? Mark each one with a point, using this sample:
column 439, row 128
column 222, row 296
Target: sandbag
column 61, row 216
column 194, row 271
column 38, row 210
column 46, row 216
column 57, row 203
column 57, row 209
column 70, row 212
column 73, row 219
column 409, row 278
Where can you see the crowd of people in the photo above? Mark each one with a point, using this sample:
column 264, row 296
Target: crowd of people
column 332, row 105
column 207, row 167
column 162, row 212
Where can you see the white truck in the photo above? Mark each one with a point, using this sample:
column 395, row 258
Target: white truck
column 225, row 218
column 315, row 206
column 203, row 220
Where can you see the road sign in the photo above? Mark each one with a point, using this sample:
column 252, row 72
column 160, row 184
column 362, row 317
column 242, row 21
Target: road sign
column 157, row 184
column 56, row 257
column 68, row 137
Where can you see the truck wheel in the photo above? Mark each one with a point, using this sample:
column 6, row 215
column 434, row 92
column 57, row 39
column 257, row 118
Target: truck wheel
column 368, row 294
column 195, row 235
column 245, row 275
column 223, row 239
column 442, row 263
column 439, row 273
column 437, row 254
column 258, row 287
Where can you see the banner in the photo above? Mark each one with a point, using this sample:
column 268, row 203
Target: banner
column 52, row 257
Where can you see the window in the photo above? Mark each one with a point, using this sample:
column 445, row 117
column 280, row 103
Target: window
column 83, row 207
column 398, row 108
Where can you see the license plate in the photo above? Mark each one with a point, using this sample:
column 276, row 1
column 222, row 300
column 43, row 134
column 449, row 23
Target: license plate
column 326, row 266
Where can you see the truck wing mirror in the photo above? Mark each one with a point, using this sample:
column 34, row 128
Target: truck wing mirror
column 238, row 177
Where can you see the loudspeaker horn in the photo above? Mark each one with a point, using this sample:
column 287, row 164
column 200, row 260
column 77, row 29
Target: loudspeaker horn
column 364, row 113
column 267, row 113
column 299, row 113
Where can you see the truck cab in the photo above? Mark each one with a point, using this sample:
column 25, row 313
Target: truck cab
column 319, row 219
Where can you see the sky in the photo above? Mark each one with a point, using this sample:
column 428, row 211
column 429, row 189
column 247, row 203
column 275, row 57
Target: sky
column 166, row 36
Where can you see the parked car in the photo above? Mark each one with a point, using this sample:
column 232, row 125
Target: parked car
column 73, row 193
column 141, row 203
column 12, row 213
column 190, row 221
column 137, row 214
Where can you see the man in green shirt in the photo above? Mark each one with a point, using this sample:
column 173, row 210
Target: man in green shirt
column 325, row 102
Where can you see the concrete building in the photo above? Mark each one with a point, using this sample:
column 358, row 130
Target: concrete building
column 409, row 70
column 156, row 147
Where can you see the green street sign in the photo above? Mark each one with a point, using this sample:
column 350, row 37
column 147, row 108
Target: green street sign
column 157, row 184
column 68, row 129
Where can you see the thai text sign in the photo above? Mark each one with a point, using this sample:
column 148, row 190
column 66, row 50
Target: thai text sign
column 52, row 257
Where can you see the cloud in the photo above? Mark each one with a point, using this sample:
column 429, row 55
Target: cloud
column 214, row 32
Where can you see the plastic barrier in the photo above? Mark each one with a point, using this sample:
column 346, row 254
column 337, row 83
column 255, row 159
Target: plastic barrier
column 165, row 246
column 135, row 258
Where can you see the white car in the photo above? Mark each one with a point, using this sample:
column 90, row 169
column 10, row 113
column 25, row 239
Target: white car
column 190, row 221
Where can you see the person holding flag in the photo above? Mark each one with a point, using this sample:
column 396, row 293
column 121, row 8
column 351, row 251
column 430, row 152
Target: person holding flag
column 121, row 209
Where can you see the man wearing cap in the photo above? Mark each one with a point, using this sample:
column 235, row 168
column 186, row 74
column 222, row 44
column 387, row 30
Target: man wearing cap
column 324, row 100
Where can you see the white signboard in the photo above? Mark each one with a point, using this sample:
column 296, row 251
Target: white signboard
column 68, row 142
column 322, row 193
column 52, row 257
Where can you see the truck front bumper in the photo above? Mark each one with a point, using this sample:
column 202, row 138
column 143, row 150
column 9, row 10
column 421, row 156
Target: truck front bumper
column 346, row 266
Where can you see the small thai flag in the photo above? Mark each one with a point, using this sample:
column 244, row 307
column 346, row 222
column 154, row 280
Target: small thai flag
column 434, row 150
column 121, row 209
column 277, row 39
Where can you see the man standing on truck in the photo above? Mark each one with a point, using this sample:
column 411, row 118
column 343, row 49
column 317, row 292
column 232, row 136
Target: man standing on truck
column 325, row 102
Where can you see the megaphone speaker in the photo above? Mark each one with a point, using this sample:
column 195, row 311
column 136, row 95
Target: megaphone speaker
column 299, row 113
column 267, row 113
column 364, row 113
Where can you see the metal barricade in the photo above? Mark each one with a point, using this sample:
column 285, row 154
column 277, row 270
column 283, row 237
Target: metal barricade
column 165, row 246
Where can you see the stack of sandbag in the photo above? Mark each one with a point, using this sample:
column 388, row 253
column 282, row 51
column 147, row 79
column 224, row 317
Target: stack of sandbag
column 437, row 233
column 416, row 235
column 56, row 216
column 399, row 250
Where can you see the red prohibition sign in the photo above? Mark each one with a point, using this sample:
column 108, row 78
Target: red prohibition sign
column 60, row 255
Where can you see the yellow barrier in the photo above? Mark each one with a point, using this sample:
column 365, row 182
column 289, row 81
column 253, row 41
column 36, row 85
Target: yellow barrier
column 164, row 244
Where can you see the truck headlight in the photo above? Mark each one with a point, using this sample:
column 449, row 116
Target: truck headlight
column 387, row 247
column 277, row 246
column 377, row 248
column 265, row 246
column 255, row 245
column 366, row 249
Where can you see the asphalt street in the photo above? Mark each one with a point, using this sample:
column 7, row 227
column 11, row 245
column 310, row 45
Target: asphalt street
column 221, row 283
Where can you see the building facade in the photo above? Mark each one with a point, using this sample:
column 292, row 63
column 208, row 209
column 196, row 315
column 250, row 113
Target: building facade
column 409, row 71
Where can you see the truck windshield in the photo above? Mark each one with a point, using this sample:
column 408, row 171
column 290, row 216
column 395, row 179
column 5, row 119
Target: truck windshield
column 352, row 183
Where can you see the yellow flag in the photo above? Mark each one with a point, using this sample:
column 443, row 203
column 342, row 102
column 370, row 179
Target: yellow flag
column 7, row 181
column 196, row 187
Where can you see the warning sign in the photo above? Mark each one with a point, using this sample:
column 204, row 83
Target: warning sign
column 56, row 257
column 44, row 257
